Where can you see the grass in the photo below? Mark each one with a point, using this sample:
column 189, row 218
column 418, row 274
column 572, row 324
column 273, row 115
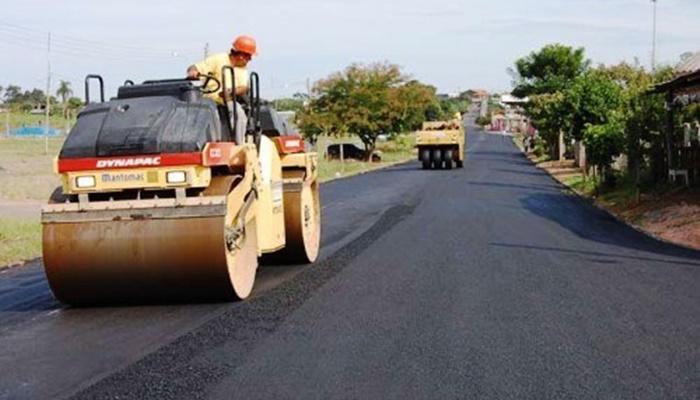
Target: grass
column 392, row 151
column 26, row 174
column 20, row 239
column 624, row 194
column 26, row 169
column 580, row 184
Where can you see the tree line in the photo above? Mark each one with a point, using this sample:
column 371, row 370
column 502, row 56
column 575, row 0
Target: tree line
column 608, row 108
column 372, row 100
column 19, row 100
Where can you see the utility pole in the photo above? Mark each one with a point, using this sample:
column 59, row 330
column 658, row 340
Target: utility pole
column 206, row 50
column 7, row 121
column 48, row 95
column 653, row 38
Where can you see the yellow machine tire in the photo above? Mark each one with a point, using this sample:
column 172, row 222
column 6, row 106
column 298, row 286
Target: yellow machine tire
column 447, row 157
column 436, row 158
column 425, row 158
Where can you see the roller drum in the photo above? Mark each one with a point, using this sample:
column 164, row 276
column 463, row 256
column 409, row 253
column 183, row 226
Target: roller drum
column 149, row 260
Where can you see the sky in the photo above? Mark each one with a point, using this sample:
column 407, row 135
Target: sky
column 453, row 45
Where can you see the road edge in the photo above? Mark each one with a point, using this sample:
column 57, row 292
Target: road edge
column 378, row 168
column 591, row 201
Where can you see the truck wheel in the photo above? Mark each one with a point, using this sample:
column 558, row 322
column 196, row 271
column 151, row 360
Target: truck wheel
column 437, row 158
column 447, row 157
column 425, row 158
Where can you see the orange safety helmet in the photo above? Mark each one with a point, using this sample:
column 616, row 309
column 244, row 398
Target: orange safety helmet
column 245, row 44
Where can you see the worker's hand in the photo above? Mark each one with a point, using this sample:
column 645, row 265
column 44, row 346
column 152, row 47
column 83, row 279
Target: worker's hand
column 192, row 72
column 228, row 94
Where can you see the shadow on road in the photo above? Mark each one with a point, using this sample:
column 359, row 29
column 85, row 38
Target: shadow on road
column 611, row 256
column 593, row 224
column 514, row 161
column 528, row 187
column 537, row 172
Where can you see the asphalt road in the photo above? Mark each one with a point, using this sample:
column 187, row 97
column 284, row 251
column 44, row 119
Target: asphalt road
column 484, row 282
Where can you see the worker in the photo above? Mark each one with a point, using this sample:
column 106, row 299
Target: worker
column 242, row 51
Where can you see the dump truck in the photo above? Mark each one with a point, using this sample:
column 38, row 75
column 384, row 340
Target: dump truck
column 162, row 199
column 441, row 144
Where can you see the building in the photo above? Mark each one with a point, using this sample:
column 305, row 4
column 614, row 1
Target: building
column 512, row 119
column 682, row 156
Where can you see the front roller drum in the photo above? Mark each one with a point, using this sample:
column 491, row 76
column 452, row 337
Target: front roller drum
column 152, row 260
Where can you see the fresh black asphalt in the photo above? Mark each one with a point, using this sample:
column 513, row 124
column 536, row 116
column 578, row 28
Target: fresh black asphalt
column 484, row 282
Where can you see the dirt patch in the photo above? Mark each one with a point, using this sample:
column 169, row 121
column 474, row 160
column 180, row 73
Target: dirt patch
column 674, row 216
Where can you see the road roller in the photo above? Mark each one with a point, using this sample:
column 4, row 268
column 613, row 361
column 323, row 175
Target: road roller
column 441, row 144
column 162, row 199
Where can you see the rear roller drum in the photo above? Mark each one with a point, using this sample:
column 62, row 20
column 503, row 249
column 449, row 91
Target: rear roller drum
column 302, row 221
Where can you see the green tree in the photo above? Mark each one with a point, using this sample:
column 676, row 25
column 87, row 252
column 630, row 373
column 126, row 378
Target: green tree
column 643, row 113
column 544, row 76
column 604, row 142
column 451, row 106
column 409, row 102
column 366, row 101
column 548, row 113
column 551, row 69
column 590, row 100
column 64, row 91
column 318, row 119
column 288, row 104
column 72, row 106
column 12, row 92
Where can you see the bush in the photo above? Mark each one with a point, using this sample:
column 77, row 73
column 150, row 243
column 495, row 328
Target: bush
column 540, row 147
column 483, row 120
column 603, row 143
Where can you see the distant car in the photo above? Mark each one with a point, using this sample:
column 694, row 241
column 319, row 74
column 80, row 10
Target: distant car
column 350, row 151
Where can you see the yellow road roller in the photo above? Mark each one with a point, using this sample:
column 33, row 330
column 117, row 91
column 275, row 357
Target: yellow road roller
column 441, row 144
column 162, row 200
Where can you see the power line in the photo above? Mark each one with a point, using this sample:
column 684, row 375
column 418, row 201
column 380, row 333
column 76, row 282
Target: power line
column 653, row 40
column 48, row 94
column 90, row 42
column 76, row 50
column 77, row 47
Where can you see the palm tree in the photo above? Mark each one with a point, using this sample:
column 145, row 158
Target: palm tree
column 64, row 91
